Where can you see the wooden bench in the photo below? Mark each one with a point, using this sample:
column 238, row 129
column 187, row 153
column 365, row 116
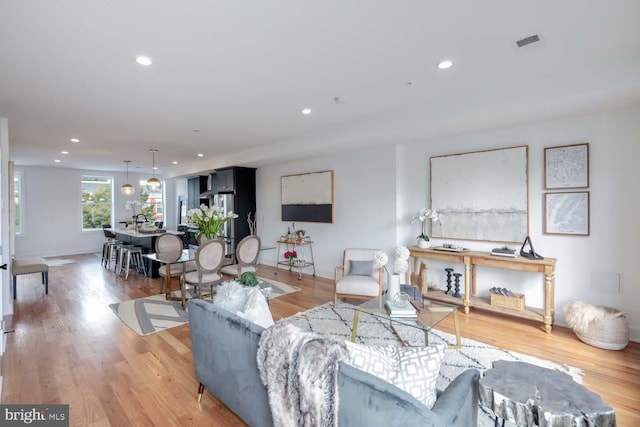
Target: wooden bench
column 29, row 266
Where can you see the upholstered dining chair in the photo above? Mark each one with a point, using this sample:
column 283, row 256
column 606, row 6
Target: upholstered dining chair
column 169, row 247
column 209, row 257
column 247, row 253
column 358, row 276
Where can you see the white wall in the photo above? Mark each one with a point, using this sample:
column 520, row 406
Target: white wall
column 51, row 209
column 364, row 205
column 374, row 202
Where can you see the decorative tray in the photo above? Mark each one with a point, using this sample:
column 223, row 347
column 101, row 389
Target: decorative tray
column 446, row 249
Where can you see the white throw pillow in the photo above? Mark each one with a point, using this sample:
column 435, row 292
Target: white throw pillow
column 231, row 296
column 412, row 369
column 256, row 308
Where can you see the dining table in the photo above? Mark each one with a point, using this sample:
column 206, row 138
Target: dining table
column 170, row 260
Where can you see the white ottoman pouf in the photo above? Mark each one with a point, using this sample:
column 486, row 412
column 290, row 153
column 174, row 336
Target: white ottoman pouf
column 29, row 266
column 599, row 326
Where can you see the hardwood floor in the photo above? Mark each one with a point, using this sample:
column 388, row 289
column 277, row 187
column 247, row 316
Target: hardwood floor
column 68, row 347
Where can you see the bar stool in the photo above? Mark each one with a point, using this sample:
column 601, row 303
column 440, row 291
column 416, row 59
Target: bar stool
column 119, row 256
column 109, row 252
column 132, row 256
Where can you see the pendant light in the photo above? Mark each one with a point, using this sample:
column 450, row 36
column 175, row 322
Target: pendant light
column 154, row 184
column 127, row 189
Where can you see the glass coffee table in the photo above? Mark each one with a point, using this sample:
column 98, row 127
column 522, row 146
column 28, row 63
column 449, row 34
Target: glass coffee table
column 428, row 317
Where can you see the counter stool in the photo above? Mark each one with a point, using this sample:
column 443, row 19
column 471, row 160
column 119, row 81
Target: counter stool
column 28, row 266
column 118, row 260
column 109, row 249
column 132, row 255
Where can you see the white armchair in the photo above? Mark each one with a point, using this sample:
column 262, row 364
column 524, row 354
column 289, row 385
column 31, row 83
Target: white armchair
column 358, row 276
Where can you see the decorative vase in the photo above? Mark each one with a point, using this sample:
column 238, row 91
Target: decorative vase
column 394, row 285
column 424, row 244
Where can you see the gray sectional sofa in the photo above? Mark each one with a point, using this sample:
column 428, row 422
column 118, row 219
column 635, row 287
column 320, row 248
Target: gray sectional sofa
column 224, row 353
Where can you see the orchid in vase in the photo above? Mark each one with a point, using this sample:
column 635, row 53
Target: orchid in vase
column 209, row 220
column 423, row 215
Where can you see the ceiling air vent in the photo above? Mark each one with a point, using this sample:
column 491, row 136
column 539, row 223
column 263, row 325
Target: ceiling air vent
column 528, row 40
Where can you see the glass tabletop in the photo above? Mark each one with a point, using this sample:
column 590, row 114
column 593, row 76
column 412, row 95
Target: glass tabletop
column 425, row 317
column 184, row 256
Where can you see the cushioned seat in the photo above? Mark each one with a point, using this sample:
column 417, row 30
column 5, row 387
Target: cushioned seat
column 358, row 276
column 29, row 266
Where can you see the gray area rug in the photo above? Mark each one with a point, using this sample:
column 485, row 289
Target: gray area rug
column 154, row 314
column 337, row 323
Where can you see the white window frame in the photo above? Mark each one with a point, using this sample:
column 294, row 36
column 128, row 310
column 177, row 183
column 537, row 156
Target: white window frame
column 111, row 202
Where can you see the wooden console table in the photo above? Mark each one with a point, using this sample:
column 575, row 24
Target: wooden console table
column 471, row 259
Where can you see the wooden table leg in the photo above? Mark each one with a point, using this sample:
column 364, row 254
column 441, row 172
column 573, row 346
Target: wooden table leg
column 549, row 291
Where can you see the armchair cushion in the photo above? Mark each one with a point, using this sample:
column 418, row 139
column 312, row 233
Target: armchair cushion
column 412, row 369
column 358, row 285
column 361, row 268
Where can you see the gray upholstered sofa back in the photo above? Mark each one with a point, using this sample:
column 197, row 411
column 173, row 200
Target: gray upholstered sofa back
column 224, row 353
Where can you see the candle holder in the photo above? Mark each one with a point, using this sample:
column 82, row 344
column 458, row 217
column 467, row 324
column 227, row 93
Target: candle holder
column 449, row 271
column 457, row 285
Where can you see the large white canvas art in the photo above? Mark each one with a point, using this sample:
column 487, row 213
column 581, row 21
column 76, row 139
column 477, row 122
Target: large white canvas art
column 481, row 195
column 308, row 197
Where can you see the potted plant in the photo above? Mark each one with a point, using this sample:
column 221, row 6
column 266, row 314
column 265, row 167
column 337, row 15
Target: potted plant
column 422, row 216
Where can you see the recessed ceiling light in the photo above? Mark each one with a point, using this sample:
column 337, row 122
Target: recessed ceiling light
column 74, row 140
column 64, row 152
column 57, row 160
column 144, row 60
column 196, row 130
column 443, row 65
column 200, row 155
column 306, row 111
column 174, row 162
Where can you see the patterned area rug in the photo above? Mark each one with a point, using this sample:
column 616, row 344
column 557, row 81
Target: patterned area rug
column 337, row 323
column 154, row 314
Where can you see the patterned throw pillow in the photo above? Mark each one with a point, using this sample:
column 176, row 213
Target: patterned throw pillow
column 412, row 369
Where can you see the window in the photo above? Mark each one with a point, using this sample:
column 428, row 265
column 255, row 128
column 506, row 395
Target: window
column 17, row 195
column 97, row 206
column 152, row 203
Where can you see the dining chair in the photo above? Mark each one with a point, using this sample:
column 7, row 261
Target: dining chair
column 209, row 257
column 169, row 247
column 247, row 253
column 358, row 276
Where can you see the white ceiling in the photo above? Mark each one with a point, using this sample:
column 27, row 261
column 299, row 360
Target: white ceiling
column 241, row 71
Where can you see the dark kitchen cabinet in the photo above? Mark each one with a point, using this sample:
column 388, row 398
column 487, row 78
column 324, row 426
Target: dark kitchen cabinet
column 237, row 192
column 196, row 187
column 226, row 179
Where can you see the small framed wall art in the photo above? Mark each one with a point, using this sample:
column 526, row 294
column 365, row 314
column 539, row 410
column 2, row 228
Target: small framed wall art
column 567, row 213
column 566, row 166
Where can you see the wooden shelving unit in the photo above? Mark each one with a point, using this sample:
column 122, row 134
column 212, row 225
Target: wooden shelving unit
column 471, row 259
column 529, row 313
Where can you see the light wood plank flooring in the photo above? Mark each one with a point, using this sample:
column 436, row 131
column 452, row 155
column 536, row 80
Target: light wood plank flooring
column 68, row 347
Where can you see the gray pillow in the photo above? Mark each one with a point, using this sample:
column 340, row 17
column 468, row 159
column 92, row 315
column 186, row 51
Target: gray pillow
column 361, row 268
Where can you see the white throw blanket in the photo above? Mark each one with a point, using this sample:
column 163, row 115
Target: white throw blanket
column 300, row 371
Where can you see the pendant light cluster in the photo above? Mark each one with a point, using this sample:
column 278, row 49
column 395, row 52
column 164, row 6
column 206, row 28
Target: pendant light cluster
column 128, row 189
column 153, row 183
